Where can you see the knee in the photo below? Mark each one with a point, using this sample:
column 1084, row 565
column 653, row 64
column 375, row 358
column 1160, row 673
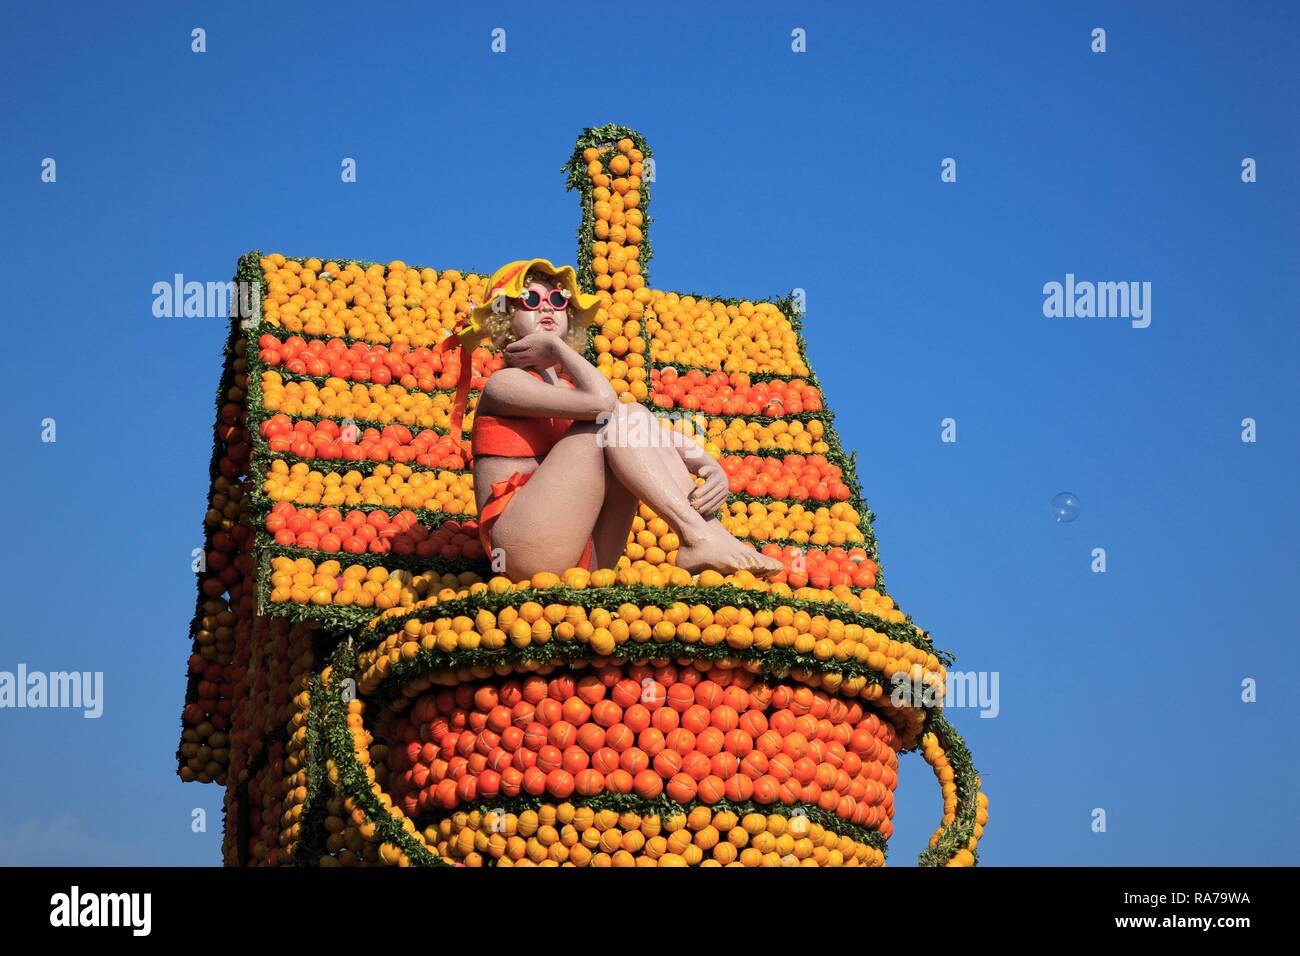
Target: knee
column 629, row 426
column 625, row 412
column 637, row 410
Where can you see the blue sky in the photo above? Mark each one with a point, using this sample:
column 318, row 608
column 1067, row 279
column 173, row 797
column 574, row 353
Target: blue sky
column 775, row 170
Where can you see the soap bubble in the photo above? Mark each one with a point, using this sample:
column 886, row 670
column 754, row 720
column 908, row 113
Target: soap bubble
column 1065, row 507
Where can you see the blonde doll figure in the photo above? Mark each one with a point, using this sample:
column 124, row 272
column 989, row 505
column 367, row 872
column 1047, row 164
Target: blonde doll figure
column 559, row 463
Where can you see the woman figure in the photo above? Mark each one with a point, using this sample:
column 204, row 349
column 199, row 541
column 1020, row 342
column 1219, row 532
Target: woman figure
column 559, row 466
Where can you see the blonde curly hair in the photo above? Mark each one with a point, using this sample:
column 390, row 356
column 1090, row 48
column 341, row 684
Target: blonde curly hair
column 500, row 330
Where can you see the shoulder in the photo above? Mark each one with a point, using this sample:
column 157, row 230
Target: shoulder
column 505, row 380
column 506, row 376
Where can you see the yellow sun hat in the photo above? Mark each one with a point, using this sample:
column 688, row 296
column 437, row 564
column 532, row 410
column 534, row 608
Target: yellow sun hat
column 509, row 281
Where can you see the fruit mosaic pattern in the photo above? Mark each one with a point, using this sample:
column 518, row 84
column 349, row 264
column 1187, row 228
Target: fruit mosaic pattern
column 368, row 691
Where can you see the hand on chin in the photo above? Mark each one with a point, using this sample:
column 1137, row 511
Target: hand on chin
column 536, row 350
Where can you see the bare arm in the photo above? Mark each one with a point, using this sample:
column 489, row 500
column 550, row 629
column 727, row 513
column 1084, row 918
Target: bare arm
column 692, row 452
column 711, row 495
column 512, row 391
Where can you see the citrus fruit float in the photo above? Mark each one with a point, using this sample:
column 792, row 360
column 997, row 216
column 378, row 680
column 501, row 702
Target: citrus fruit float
column 368, row 690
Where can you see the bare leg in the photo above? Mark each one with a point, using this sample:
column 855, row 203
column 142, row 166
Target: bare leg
column 634, row 446
column 588, row 486
column 549, row 521
column 613, row 523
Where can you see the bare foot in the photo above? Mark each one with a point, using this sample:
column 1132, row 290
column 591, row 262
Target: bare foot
column 718, row 551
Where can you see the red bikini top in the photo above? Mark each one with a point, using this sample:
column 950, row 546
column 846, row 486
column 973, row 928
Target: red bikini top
column 517, row 436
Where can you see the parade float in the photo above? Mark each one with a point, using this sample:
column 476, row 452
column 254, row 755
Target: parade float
column 368, row 690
